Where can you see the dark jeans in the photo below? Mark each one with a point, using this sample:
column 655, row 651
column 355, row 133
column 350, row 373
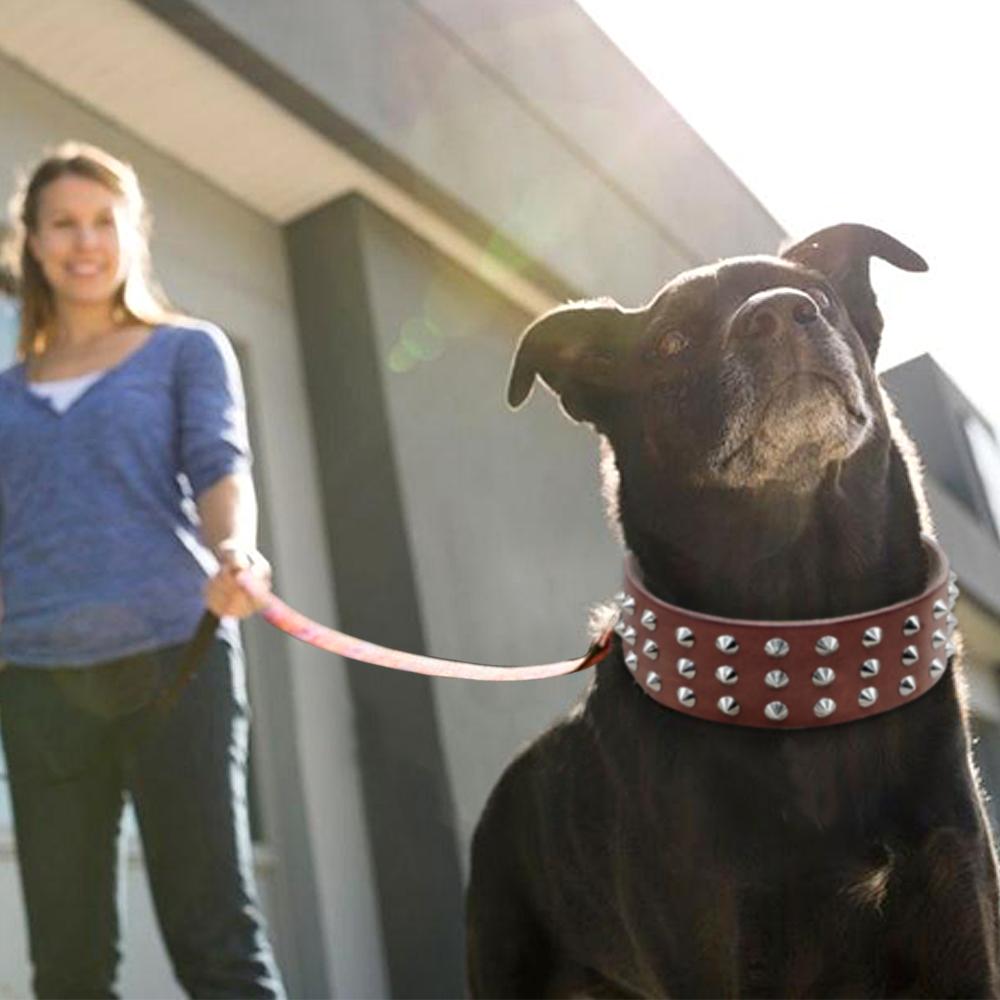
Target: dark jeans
column 78, row 740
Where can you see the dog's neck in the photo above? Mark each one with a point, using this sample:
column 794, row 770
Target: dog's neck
column 852, row 546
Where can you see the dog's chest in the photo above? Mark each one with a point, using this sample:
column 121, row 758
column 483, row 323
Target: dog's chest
column 646, row 827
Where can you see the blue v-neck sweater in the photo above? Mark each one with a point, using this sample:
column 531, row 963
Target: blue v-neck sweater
column 100, row 555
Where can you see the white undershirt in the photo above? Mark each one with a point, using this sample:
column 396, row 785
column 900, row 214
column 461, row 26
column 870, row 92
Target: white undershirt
column 62, row 393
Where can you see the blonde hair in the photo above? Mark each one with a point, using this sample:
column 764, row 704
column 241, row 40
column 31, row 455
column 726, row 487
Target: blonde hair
column 138, row 300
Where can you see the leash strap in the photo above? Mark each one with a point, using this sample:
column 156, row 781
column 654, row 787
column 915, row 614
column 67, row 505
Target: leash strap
column 297, row 625
column 191, row 659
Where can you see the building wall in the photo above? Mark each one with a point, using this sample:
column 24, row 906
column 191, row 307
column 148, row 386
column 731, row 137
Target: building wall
column 454, row 527
column 517, row 118
column 218, row 259
column 503, row 511
column 407, row 800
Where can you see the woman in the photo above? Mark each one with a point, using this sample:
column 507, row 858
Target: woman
column 126, row 507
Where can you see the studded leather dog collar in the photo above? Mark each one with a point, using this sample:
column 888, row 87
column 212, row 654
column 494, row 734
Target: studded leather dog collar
column 789, row 674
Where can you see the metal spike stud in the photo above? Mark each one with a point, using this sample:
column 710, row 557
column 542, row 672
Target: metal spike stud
column 631, row 660
column 728, row 705
column 907, row 685
column 653, row 681
column 686, row 697
column 911, row 626
column 650, row 649
column 952, row 577
column 776, row 679
column 937, row 669
column 619, row 597
column 648, row 619
column 824, row 707
column 620, row 626
column 870, row 668
column 685, row 667
column 628, row 635
column 727, row 644
column 949, row 649
column 776, row 711
column 726, row 675
column 951, row 623
column 628, row 605
column 868, row 697
column 827, row 644
column 685, row 636
column 940, row 609
column 822, row 676
column 872, row 637
column 910, row 656
column 776, row 647
column 938, row 639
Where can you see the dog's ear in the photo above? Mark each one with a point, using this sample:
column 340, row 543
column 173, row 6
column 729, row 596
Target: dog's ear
column 579, row 351
column 843, row 253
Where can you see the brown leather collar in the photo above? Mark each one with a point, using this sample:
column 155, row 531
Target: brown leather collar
column 792, row 674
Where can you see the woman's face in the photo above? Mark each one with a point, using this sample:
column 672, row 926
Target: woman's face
column 83, row 241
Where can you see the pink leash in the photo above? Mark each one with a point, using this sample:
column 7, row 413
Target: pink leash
column 297, row 625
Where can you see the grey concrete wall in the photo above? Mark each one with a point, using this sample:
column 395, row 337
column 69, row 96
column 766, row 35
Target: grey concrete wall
column 503, row 516
column 520, row 114
column 408, row 801
column 565, row 71
column 455, row 528
column 220, row 260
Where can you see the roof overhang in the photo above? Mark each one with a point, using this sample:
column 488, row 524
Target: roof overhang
column 129, row 66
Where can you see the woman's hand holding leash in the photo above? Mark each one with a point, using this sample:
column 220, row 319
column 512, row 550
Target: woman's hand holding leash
column 224, row 596
column 241, row 586
column 228, row 513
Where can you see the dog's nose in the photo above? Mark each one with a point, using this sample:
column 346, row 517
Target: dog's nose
column 774, row 311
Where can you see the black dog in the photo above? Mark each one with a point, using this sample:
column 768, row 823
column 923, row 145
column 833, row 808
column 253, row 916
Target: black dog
column 756, row 474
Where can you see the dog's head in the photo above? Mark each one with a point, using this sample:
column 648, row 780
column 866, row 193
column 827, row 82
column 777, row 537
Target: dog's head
column 748, row 372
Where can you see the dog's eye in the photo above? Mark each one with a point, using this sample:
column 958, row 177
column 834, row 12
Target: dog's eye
column 820, row 297
column 668, row 344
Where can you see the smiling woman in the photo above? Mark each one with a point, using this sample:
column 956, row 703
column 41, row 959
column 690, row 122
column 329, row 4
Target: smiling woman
column 81, row 237
column 118, row 421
